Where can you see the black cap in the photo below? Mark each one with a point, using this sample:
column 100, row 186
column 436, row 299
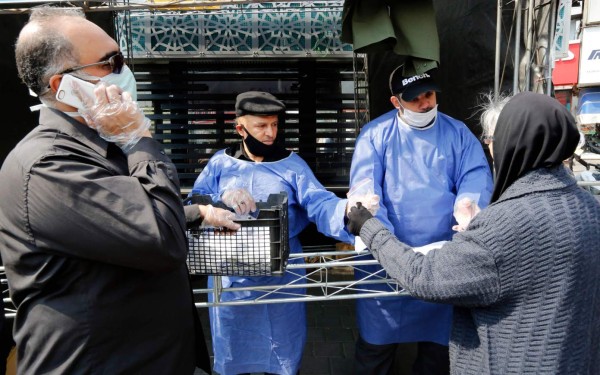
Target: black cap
column 258, row 103
column 412, row 86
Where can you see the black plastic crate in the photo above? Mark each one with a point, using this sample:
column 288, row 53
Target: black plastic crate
column 259, row 248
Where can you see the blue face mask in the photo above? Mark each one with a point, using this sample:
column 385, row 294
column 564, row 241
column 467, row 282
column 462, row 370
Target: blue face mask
column 125, row 80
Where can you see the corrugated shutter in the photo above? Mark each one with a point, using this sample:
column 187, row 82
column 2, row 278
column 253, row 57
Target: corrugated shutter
column 191, row 104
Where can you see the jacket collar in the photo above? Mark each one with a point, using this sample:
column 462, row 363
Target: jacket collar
column 539, row 180
column 56, row 119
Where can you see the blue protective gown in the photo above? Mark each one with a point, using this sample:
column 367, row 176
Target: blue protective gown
column 268, row 337
column 419, row 175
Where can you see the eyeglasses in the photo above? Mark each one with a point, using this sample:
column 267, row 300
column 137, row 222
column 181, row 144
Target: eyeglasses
column 487, row 139
column 116, row 63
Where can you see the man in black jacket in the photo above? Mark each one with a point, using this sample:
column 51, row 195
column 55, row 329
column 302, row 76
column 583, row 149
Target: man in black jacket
column 92, row 229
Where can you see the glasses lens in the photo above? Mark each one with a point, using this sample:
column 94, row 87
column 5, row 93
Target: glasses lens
column 116, row 62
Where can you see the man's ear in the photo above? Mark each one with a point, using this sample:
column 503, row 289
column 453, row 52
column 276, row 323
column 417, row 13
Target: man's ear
column 239, row 128
column 55, row 82
column 395, row 102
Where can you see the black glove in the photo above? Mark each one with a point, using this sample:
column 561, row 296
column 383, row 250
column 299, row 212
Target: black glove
column 357, row 217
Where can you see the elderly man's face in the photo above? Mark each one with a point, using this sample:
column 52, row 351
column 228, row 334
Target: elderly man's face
column 91, row 44
column 263, row 128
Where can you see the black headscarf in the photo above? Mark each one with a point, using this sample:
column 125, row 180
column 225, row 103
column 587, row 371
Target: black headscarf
column 533, row 131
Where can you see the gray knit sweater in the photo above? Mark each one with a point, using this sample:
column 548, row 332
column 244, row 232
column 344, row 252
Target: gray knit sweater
column 524, row 279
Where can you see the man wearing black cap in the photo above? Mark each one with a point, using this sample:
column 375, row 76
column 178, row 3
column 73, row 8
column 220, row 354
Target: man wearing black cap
column 427, row 167
column 266, row 338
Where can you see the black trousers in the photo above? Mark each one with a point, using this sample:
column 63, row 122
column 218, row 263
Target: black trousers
column 431, row 359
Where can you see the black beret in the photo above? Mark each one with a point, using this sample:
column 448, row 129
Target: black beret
column 257, row 103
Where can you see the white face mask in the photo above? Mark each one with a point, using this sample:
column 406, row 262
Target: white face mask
column 418, row 119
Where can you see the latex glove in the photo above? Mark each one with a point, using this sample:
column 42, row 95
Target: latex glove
column 240, row 200
column 362, row 192
column 464, row 211
column 357, row 217
column 218, row 217
column 369, row 201
column 115, row 116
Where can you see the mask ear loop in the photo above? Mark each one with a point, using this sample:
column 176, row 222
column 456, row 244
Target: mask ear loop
column 247, row 132
column 399, row 107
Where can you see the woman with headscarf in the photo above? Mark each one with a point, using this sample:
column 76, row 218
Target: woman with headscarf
column 523, row 277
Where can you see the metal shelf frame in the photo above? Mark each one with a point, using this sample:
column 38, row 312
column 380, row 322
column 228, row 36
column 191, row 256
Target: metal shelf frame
column 320, row 283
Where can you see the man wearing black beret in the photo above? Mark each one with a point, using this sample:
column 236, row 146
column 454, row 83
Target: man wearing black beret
column 267, row 338
column 258, row 103
column 258, row 113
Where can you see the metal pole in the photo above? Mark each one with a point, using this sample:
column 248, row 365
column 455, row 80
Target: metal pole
column 550, row 51
column 529, row 46
column 498, row 49
column 517, row 64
